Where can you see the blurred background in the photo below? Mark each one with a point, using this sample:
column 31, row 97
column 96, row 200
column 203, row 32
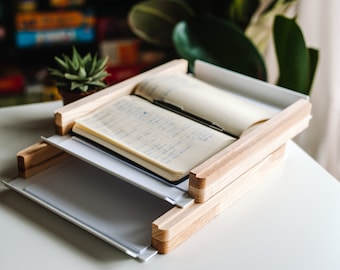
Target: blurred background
column 32, row 32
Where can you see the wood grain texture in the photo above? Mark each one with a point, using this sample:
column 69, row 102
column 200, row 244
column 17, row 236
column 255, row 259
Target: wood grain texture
column 178, row 224
column 226, row 166
column 37, row 158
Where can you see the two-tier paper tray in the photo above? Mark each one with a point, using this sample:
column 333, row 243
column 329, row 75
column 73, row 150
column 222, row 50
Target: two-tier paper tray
column 129, row 208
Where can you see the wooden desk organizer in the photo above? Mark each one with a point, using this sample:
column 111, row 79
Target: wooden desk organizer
column 214, row 185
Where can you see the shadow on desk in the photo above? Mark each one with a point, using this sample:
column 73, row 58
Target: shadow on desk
column 61, row 228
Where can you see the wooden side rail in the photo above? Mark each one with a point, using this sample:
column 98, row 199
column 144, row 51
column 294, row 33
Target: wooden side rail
column 227, row 165
column 178, row 224
column 37, row 158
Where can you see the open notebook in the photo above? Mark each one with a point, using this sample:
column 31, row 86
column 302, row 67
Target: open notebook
column 170, row 123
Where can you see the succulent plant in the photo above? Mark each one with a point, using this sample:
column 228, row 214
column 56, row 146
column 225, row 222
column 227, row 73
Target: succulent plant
column 79, row 74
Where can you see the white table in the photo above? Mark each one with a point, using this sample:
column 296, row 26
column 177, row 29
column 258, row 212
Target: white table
column 290, row 221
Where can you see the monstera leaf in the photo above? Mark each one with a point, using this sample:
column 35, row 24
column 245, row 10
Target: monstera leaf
column 218, row 42
column 297, row 63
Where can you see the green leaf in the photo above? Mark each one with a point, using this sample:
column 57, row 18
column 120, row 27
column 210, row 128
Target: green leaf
column 93, row 64
column 293, row 56
column 79, row 86
column 72, row 77
column 76, row 58
column 97, row 83
column 87, row 59
column 313, row 61
column 56, row 73
column 99, row 76
column 218, row 42
column 101, row 64
column 72, row 67
column 82, row 72
column 62, row 64
column 153, row 21
column 241, row 11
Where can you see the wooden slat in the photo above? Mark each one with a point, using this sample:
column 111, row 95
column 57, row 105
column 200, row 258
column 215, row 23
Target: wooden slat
column 223, row 168
column 37, row 158
column 178, row 224
column 42, row 166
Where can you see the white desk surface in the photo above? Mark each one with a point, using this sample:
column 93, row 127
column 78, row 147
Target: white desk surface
column 290, row 221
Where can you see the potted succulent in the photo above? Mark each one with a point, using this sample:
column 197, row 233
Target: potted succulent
column 78, row 76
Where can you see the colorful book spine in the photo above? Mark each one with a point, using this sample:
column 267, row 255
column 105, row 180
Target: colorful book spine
column 47, row 20
column 26, row 39
column 66, row 3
